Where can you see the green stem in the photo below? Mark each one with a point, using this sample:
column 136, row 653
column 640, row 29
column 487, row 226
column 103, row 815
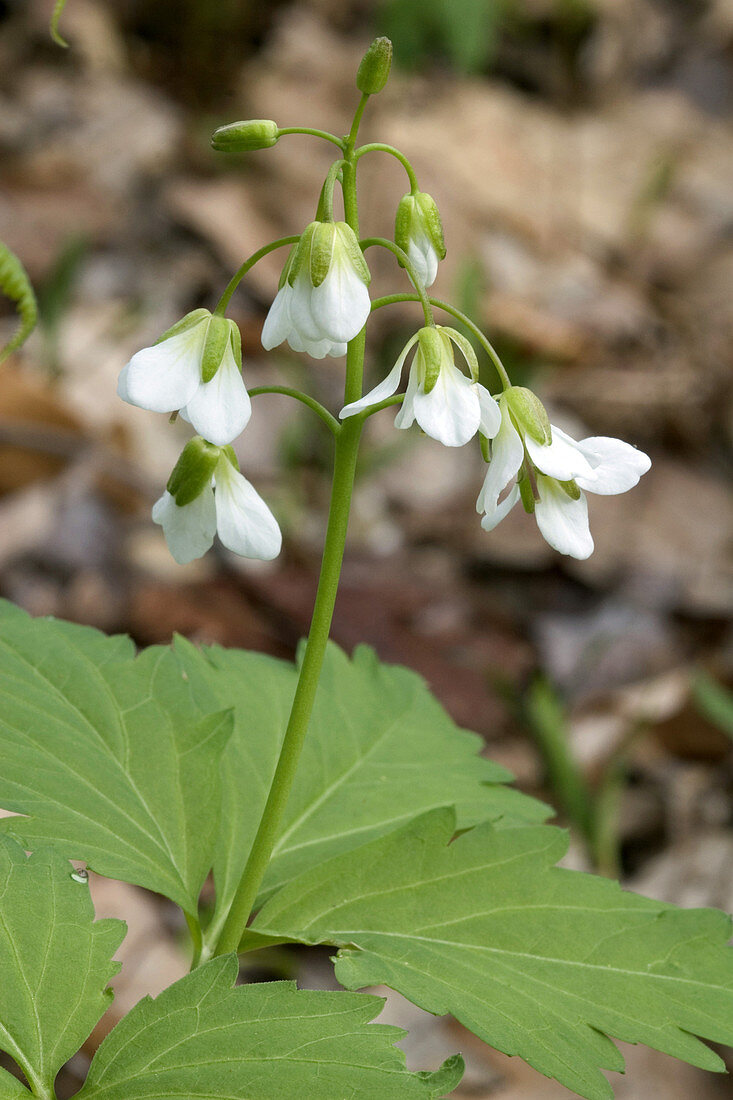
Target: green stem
column 381, row 147
column 330, row 421
column 194, row 927
column 345, row 456
column 405, row 261
column 325, row 203
column 314, row 133
column 239, row 275
column 392, row 299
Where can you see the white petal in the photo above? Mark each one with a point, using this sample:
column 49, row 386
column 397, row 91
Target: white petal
column 122, row 383
column 562, row 458
column 451, row 412
column 277, row 323
column 166, row 376
column 317, row 349
column 301, row 310
column 507, row 454
column 424, row 259
column 406, row 416
column 220, row 409
column 563, row 522
column 341, row 304
column 384, row 389
column 189, row 531
column 493, row 518
column 337, row 349
column 244, row 523
column 490, row 412
column 617, row 466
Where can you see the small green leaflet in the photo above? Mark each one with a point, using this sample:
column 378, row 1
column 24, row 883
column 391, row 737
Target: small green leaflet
column 55, row 962
column 537, row 961
column 205, row 1037
column 380, row 750
column 110, row 755
column 14, row 282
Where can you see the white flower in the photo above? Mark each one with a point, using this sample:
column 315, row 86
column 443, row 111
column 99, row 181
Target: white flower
column 207, row 495
column 195, row 367
column 419, row 233
column 447, row 404
column 323, row 301
column 561, row 470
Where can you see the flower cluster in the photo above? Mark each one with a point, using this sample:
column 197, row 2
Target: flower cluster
column 322, row 303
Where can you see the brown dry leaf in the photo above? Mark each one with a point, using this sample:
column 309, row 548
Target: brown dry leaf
column 39, row 435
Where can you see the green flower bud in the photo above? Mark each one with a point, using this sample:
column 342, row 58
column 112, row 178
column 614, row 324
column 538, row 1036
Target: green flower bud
column 418, row 216
column 240, row 137
column 347, row 239
column 529, row 413
column 189, row 321
column 374, row 68
column 193, row 471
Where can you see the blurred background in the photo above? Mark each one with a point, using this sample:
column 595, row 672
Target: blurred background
column 581, row 154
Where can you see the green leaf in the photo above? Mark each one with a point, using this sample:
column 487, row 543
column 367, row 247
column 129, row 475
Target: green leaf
column 110, row 755
column 380, row 750
column 14, row 282
column 714, row 701
column 538, row 961
column 55, row 961
column 205, row 1037
column 11, row 1088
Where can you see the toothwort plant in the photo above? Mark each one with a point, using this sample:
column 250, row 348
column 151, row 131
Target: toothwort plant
column 333, row 799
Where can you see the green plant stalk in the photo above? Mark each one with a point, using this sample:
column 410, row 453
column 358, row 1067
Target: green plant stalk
column 381, row 147
column 237, row 277
column 345, row 457
column 392, row 299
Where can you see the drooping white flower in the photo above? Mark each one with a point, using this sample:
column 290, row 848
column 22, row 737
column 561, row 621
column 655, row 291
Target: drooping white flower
column 419, row 233
column 194, row 368
column 323, row 300
column 447, row 404
column 207, row 495
column 553, row 472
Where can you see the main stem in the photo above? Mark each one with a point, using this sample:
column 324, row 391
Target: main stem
column 345, row 456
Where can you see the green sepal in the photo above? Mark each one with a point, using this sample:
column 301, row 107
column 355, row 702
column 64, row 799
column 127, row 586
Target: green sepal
column 193, row 471
column 230, row 455
column 432, row 347
column 235, row 339
column 526, row 491
column 218, row 335
column 373, row 72
column 286, row 267
column 403, row 222
column 322, row 246
column 485, row 445
column 353, row 251
column 240, row 137
column 189, row 321
column 571, row 489
column 301, row 253
column 467, row 348
column 529, row 413
column 430, row 221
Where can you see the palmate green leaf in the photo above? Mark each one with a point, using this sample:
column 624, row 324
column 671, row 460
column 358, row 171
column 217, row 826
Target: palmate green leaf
column 114, row 758
column 55, row 962
column 204, row 1037
column 380, row 750
column 538, row 961
column 10, row 1088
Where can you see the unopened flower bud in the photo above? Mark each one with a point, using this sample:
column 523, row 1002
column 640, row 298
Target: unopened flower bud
column 419, row 233
column 241, row 137
column 373, row 71
column 193, row 471
column 529, row 414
